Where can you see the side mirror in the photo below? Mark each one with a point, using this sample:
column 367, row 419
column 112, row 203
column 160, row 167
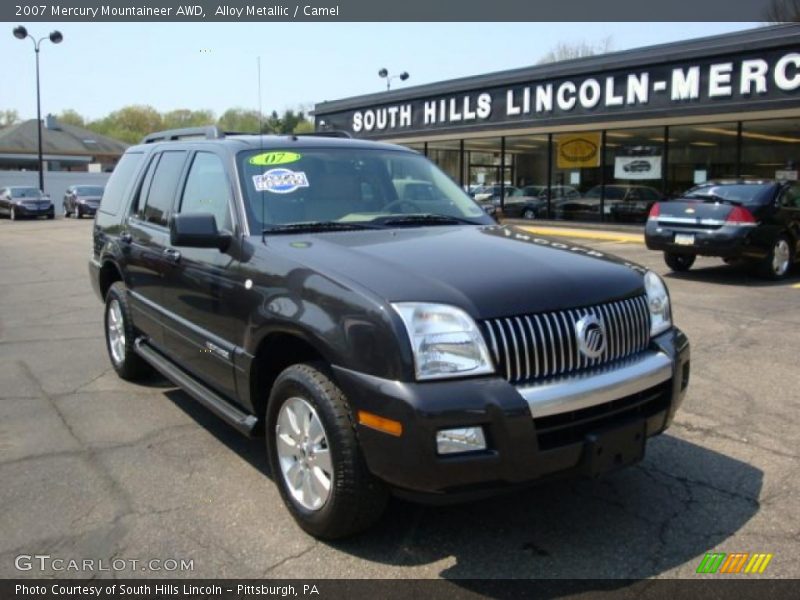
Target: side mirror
column 197, row 230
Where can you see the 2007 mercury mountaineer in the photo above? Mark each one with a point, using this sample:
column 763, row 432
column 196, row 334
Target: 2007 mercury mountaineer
column 349, row 301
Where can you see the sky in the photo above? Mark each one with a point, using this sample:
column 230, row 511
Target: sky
column 101, row 67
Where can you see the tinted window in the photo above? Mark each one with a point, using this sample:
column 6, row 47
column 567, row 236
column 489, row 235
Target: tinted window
column 745, row 193
column 791, row 196
column 120, row 180
column 162, row 189
column 21, row 192
column 207, row 189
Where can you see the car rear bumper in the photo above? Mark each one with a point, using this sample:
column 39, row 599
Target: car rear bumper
column 728, row 241
column 556, row 427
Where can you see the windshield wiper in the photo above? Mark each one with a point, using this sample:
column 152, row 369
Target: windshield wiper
column 311, row 226
column 424, row 219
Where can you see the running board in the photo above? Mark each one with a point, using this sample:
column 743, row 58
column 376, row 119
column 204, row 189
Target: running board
column 243, row 422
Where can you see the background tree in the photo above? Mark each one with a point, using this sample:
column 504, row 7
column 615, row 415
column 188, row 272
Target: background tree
column 71, row 116
column 568, row 51
column 129, row 124
column 8, row 117
column 241, row 120
column 183, row 117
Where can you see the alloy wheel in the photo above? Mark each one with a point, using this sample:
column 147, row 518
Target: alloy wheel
column 115, row 329
column 780, row 257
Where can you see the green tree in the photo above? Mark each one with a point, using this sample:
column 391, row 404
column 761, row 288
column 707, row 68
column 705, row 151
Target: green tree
column 241, row 120
column 183, row 117
column 129, row 124
column 71, row 116
column 568, row 51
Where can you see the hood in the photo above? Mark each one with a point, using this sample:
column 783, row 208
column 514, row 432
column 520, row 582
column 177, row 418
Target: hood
column 490, row 271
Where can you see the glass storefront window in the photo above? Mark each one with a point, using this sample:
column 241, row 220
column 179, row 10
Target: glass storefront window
column 698, row 153
column 770, row 149
column 447, row 156
column 576, row 176
column 485, row 170
column 634, row 163
column 528, row 199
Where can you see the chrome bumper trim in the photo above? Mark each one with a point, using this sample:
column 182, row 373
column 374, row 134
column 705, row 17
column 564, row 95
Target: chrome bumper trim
column 598, row 386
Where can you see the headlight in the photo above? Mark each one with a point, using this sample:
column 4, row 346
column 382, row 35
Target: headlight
column 445, row 341
column 657, row 303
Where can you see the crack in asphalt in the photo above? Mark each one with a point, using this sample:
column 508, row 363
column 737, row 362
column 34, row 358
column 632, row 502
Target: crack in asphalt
column 716, row 434
column 286, row 559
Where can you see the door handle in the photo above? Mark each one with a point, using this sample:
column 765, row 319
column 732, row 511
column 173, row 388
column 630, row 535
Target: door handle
column 126, row 237
column 172, row 255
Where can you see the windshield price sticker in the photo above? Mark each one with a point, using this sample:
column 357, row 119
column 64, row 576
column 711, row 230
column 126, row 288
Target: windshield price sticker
column 267, row 159
column 280, row 181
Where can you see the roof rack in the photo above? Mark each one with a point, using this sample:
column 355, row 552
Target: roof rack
column 208, row 132
column 332, row 133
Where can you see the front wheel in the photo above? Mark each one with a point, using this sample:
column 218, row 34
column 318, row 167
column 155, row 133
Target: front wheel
column 679, row 262
column 776, row 264
column 78, row 212
column 13, row 214
column 315, row 457
column 529, row 214
column 120, row 335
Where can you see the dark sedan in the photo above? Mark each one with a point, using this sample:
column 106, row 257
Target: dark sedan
column 23, row 201
column 82, row 200
column 754, row 220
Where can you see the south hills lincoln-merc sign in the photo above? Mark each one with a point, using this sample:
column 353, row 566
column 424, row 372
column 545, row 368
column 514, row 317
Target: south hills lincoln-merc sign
column 769, row 79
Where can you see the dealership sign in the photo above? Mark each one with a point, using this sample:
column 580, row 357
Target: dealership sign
column 726, row 82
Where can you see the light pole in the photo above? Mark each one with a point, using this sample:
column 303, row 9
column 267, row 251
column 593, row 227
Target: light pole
column 55, row 36
column 385, row 74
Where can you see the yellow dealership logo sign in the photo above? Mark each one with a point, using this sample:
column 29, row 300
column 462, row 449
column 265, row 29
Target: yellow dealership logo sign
column 578, row 150
column 738, row 562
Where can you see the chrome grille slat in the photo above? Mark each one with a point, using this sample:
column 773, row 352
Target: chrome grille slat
column 537, row 346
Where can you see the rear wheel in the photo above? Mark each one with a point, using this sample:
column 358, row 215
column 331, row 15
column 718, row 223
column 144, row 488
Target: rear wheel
column 529, row 214
column 315, row 457
column 120, row 335
column 679, row 262
column 77, row 211
column 776, row 264
column 13, row 214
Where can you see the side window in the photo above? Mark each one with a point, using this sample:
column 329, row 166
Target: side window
column 790, row 198
column 207, row 189
column 158, row 204
column 119, row 182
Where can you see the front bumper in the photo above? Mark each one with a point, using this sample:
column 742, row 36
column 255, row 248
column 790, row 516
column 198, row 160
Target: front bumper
column 542, row 430
column 30, row 211
column 728, row 241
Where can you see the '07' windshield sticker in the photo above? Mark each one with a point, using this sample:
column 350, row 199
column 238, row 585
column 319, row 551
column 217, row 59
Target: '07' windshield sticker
column 280, row 181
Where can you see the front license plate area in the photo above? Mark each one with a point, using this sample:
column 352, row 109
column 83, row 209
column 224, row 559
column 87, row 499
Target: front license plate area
column 614, row 448
column 684, row 239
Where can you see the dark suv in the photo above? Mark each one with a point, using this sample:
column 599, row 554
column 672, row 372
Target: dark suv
column 382, row 344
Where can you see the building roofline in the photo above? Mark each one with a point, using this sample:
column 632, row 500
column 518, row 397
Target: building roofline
column 760, row 37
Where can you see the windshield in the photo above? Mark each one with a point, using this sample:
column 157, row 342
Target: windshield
column 24, row 192
column 349, row 186
column 740, row 193
column 89, row 190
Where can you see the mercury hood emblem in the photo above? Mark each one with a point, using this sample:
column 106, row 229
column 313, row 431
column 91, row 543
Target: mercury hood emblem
column 591, row 334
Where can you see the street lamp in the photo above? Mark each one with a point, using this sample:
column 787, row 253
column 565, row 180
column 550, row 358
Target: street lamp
column 385, row 74
column 55, row 36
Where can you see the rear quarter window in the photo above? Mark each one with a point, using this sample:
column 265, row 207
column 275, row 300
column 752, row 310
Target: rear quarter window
column 120, row 182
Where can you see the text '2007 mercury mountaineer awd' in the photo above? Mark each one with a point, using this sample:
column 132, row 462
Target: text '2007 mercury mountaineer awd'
column 352, row 304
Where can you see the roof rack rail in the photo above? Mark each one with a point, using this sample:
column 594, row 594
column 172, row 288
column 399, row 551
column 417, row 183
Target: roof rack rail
column 332, row 133
column 208, row 132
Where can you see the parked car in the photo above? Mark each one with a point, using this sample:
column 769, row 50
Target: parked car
column 492, row 193
column 18, row 201
column 631, row 200
column 283, row 283
column 80, row 200
column 754, row 220
column 530, row 201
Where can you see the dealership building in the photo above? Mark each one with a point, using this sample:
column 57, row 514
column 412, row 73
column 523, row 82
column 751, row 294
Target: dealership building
column 635, row 124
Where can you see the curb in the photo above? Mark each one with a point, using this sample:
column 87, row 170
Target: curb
column 588, row 234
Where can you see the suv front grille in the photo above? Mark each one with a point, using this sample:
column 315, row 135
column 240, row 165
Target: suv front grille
column 531, row 347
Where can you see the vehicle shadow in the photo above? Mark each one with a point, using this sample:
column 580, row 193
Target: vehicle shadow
column 663, row 513
column 737, row 274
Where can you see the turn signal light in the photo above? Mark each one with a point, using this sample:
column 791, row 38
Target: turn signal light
column 383, row 424
column 655, row 211
column 739, row 214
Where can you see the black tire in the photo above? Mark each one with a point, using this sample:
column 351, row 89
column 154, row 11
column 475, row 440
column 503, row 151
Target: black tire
column 77, row 211
column 357, row 499
column 773, row 268
column 51, row 216
column 131, row 367
column 679, row 262
column 529, row 214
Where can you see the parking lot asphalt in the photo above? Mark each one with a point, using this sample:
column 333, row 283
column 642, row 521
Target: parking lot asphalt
column 96, row 468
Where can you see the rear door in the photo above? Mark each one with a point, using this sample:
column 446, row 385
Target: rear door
column 789, row 212
column 202, row 290
column 148, row 239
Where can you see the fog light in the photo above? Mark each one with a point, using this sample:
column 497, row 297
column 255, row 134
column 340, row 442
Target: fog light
column 463, row 439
